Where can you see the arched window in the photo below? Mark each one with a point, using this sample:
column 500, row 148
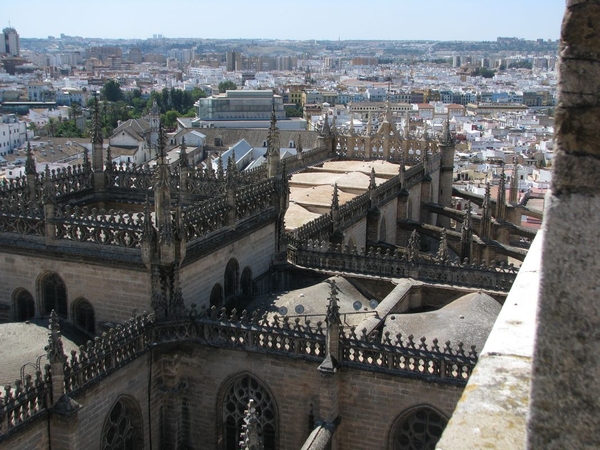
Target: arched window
column 123, row 427
column 24, row 305
column 83, row 315
column 54, row 295
column 216, row 296
column 382, row 230
column 232, row 272
column 234, row 402
column 419, row 428
column 246, row 281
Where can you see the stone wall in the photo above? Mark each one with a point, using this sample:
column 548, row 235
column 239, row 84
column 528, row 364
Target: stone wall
column 369, row 402
column 114, row 292
column 34, row 438
column 254, row 251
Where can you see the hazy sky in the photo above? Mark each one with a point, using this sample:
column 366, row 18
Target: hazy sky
column 285, row 19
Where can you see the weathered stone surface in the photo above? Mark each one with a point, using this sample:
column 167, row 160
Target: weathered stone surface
column 577, row 129
column 580, row 37
column 492, row 411
column 565, row 397
column 575, row 85
column 587, row 169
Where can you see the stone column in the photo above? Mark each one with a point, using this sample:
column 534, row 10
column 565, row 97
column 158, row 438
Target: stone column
column 565, row 394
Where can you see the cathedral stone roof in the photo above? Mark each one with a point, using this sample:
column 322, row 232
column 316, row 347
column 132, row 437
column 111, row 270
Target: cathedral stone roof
column 23, row 343
column 468, row 319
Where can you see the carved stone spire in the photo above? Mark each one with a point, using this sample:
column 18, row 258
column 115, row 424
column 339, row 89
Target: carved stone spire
column 97, row 140
column 273, row 145
column 486, row 215
column 183, row 161
column 442, row 255
column 109, row 161
column 514, row 182
column 413, row 247
column 335, row 207
column 299, row 144
column 501, row 197
column 54, row 349
column 446, row 138
column 326, row 131
column 29, row 162
column 332, row 318
column 466, row 235
column 372, row 181
column 250, row 437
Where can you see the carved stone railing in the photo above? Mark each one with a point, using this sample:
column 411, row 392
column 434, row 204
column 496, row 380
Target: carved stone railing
column 410, row 359
column 388, row 189
column 253, row 199
column 23, row 402
column 317, row 229
column 21, row 217
column 203, row 218
column 307, row 158
column 354, row 210
column 107, row 353
column 384, row 263
column 129, row 176
column 68, row 180
column 14, row 190
column 98, row 226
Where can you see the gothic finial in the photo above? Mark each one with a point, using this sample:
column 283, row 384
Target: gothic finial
column 220, row 170
column 413, row 248
column 442, row 255
column 446, row 138
column 161, row 143
column 87, row 165
column 333, row 309
column 326, row 129
column 54, row 349
column 183, row 162
column 501, row 197
column 372, row 183
column 250, row 436
column 97, row 125
column 299, row 144
column 29, row 162
column 514, row 182
column 109, row 161
column 335, row 201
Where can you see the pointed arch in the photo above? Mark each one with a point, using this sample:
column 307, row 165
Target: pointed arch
column 232, row 273
column 233, row 401
column 52, row 294
column 216, row 296
column 123, row 426
column 419, row 427
column 246, row 281
column 82, row 314
column 23, row 304
column 383, row 229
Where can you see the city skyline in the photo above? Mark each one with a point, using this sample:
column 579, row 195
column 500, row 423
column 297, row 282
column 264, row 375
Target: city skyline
column 463, row 20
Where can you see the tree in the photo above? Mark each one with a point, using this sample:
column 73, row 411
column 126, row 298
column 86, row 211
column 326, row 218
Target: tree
column 112, row 91
column 227, row 85
column 170, row 118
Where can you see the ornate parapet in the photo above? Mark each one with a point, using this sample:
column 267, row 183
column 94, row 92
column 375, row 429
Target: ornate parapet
column 99, row 226
column 23, row 402
column 409, row 358
column 321, row 255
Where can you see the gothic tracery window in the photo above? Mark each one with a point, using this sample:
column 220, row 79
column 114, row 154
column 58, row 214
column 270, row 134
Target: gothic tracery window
column 418, row 429
column 246, row 281
column 216, row 296
column 24, row 305
column 231, row 278
column 54, row 295
column 234, row 405
column 122, row 428
column 83, row 315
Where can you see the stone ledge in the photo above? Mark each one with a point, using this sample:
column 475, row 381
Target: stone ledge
column 492, row 412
